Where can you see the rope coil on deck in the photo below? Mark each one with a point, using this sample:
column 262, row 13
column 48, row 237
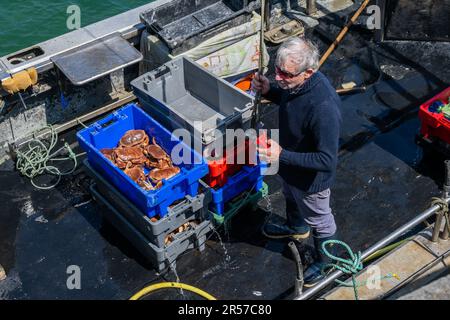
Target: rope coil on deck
column 33, row 161
column 350, row 266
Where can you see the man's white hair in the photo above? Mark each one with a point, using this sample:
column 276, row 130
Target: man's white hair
column 300, row 51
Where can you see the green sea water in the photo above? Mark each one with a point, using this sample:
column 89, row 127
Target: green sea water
column 27, row 22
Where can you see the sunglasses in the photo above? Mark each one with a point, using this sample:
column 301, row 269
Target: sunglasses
column 285, row 74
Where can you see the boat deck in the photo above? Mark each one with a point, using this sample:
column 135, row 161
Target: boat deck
column 383, row 180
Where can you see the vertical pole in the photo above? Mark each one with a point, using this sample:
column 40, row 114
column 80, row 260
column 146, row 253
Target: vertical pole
column 299, row 267
column 311, row 7
column 255, row 114
column 268, row 8
column 445, row 233
column 437, row 227
column 445, row 195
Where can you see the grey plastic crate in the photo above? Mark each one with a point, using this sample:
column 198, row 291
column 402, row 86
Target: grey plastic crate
column 184, row 24
column 161, row 258
column 192, row 208
column 182, row 93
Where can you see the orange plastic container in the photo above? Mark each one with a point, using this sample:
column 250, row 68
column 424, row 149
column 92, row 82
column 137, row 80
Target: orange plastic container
column 245, row 84
column 220, row 170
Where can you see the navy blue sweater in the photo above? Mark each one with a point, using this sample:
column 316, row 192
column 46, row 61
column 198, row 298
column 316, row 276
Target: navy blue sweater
column 309, row 133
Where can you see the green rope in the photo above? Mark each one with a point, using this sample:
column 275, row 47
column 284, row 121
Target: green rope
column 365, row 282
column 33, row 161
column 349, row 266
column 354, row 264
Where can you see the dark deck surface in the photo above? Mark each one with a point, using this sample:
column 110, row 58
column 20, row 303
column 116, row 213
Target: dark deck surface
column 383, row 181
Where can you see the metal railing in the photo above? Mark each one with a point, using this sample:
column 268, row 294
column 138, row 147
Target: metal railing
column 435, row 209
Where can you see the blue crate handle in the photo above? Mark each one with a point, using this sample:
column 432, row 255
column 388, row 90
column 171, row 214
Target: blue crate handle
column 109, row 121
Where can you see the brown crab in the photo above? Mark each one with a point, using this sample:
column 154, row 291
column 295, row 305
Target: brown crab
column 134, row 138
column 137, row 175
column 157, row 175
column 108, row 153
column 157, row 157
column 128, row 157
column 171, row 236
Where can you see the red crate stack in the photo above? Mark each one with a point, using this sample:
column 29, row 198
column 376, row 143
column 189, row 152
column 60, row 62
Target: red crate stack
column 220, row 170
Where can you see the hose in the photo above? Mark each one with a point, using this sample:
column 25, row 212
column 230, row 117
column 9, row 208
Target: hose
column 170, row 285
column 385, row 250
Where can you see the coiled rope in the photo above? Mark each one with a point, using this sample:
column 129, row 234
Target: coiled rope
column 354, row 264
column 350, row 266
column 33, row 160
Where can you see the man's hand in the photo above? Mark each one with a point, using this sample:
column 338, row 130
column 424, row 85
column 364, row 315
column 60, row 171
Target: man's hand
column 260, row 83
column 271, row 153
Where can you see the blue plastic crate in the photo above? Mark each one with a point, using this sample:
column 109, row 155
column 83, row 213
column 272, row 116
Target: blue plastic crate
column 107, row 132
column 250, row 177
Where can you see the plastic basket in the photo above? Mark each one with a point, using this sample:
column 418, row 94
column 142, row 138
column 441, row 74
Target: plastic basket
column 107, row 132
column 435, row 125
column 248, row 179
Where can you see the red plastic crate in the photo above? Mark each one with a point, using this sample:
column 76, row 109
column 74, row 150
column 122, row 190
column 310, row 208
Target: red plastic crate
column 435, row 125
column 220, row 170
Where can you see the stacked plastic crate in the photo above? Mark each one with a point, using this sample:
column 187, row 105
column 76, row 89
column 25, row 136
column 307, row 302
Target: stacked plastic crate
column 235, row 184
column 182, row 94
column 162, row 223
column 435, row 117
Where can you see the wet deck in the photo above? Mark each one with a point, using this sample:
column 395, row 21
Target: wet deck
column 383, row 181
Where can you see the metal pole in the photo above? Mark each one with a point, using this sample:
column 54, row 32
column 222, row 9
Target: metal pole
column 447, row 179
column 431, row 264
column 445, row 233
column 299, row 266
column 311, row 7
column 379, row 245
column 437, row 227
column 257, row 102
column 268, row 10
column 445, row 195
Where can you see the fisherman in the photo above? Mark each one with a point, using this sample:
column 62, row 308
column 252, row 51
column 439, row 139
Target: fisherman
column 309, row 122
